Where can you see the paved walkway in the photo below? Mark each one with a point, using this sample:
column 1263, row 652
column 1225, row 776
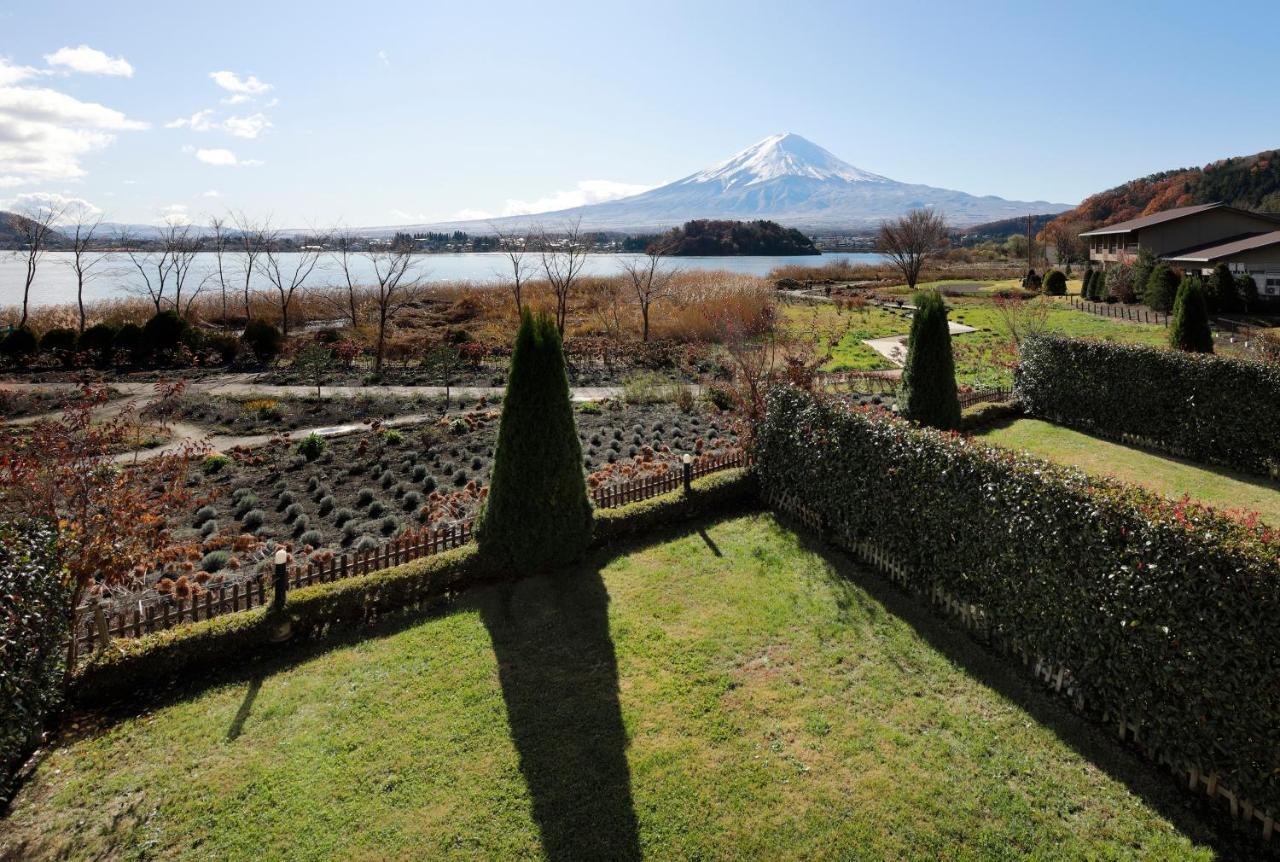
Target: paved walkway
column 894, row 347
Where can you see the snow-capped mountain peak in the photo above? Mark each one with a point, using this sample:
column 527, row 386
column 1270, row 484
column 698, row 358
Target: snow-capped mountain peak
column 780, row 156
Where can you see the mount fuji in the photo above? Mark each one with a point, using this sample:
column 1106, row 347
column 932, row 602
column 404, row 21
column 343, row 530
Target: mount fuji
column 784, row 178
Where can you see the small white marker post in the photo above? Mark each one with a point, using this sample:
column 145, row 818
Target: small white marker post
column 687, row 461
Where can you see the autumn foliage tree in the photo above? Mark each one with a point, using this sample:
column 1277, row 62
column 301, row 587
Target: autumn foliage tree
column 111, row 517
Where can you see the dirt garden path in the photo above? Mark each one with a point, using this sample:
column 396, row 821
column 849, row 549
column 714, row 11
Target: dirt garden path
column 185, row 433
column 894, row 347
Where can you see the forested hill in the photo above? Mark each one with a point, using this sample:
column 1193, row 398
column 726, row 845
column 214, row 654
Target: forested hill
column 705, row 237
column 1249, row 182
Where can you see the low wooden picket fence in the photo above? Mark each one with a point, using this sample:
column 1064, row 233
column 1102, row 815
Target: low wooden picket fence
column 97, row 626
column 1120, row 311
column 651, row 486
column 982, row 396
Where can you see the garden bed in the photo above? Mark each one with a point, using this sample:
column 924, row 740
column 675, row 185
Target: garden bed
column 361, row 489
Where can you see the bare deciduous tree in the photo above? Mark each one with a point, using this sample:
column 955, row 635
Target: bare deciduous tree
column 288, row 270
column 34, row 223
column 397, row 283
column 180, row 245
column 911, row 240
column 250, row 239
column 514, row 248
column 650, row 282
column 219, row 243
column 85, row 259
column 562, row 262
column 346, row 245
column 153, row 268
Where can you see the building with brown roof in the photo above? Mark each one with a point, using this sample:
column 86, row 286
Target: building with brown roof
column 1197, row 238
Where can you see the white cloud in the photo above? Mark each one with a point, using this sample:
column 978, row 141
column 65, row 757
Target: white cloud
column 470, row 215
column 222, row 158
column 384, row 60
column 44, row 133
column 90, row 61
column 73, row 209
column 242, row 87
column 200, row 121
column 212, row 193
column 241, row 127
column 247, row 127
column 586, row 192
column 11, row 74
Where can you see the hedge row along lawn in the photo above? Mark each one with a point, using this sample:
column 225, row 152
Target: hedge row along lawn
column 1161, row 611
column 1206, row 407
column 721, row 691
column 1168, row 476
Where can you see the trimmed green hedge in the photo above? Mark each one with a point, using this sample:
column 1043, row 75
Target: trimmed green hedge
column 133, row 664
column 1209, row 408
column 1163, row 612
column 33, row 628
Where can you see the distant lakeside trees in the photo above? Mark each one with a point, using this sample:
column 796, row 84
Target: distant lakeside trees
column 715, row 238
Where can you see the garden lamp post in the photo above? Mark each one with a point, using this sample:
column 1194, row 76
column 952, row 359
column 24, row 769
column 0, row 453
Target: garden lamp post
column 687, row 461
column 281, row 583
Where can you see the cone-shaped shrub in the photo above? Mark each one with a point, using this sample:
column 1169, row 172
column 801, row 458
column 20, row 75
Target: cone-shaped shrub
column 1225, row 297
column 1190, row 329
column 929, row 378
column 1100, row 286
column 1086, row 284
column 1161, row 288
column 1055, row 283
column 537, row 514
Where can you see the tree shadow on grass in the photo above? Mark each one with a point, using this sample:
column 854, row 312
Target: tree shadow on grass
column 1194, row 816
column 246, row 706
column 559, row 679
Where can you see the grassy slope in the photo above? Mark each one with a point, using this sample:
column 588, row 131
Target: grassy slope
column 764, row 706
column 1172, row 477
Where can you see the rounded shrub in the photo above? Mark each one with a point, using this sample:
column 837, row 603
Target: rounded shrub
column 311, row 446
column 204, row 513
column 214, row 561
column 284, row 500
column 129, row 341
column 60, row 339
column 19, row 345
column 537, row 513
column 343, row 516
column 214, row 462
column 389, row 525
column 314, row 538
column 264, row 339
column 165, row 330
column 377, row 508
column 365, row 496
column 208, row 528
column 411, row 501
column 928, row 392
column 292, row 513
column 326, row 505
column 99, row 338
column 1055, row 283
column 245, row 503
column 253, row 519
column 1222, row 295
column 301, row 525
column 366, row 543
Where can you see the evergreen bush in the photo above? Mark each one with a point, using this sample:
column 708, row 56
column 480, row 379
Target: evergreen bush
column 1161, row 611
column 1190, row 328
column 1086, row 285
column 128, row 341
column 1223, row 289
column 264, row 340
column 164, row 331
column 1209, row 408
column 33, row 626
column 537, row 513
column 928, row 392
column 59, row 339
column 1247, row 291
column 1100, row 289
column 18, row 345
column 1055, row 283
column 98, row 339
column 1161, row 288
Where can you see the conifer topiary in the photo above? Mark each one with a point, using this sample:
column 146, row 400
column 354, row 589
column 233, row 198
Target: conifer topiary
column 537, row 514
column 1225, row 297
column 1100, row 286
column 928, row 393
column 1161, row 288
column 1086, row 284
column 1190, row 329
column 1055, row 283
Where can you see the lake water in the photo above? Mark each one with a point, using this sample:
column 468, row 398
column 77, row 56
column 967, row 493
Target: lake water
column 55, row 283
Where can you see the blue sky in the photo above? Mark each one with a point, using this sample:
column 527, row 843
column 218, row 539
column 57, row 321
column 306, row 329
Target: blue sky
column 384, row 113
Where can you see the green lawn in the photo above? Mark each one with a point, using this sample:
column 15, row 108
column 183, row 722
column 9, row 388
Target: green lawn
column 1172, row 477
column 725, row 692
